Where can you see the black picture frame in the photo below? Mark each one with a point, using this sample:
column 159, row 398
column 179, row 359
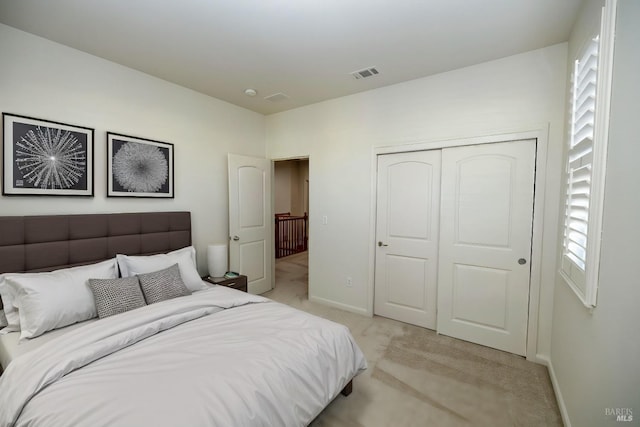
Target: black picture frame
column 46, row 158
column 139, row 167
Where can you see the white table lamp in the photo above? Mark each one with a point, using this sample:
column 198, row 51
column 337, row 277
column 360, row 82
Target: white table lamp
column 217, row 259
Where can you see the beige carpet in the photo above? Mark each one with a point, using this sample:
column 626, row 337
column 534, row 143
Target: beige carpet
column 419, row 378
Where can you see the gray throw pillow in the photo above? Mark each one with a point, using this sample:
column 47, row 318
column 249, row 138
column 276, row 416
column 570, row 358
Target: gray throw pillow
column 115, row 296
column 163, row 285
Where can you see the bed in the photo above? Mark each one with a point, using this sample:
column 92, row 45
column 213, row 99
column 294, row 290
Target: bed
column 211, row 357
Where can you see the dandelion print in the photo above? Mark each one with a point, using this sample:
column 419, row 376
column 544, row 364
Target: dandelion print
column 140, row 168
column 49, row 158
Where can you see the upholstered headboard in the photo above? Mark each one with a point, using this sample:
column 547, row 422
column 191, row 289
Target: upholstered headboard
column 50, row 242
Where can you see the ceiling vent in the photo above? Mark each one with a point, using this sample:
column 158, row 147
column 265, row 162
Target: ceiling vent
column 276, row 97
column 363, row 74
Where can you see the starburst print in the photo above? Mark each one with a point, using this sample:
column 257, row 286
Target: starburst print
column 140, row 167
column 50, row 158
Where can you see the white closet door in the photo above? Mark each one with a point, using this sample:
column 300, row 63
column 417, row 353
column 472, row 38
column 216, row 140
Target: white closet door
column 407, row 235
column 485, row 243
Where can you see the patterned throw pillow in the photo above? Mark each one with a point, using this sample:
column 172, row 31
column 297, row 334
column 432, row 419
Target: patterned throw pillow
column 163, row 285
column 115, row 296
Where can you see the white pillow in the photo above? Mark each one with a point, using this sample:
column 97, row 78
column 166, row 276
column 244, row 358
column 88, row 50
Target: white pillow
column 185, row 258
column 47, row 301
column 10, row 312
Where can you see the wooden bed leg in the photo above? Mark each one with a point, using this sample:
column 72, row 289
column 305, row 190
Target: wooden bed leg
column 346, row 391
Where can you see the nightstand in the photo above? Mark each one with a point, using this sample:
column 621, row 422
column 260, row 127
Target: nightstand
column 239, row 283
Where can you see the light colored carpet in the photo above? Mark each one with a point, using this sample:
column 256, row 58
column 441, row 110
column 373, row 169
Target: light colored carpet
column 418, row 378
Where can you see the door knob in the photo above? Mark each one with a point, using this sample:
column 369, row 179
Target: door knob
column 382, row 244
column 522, row 261
column 236, row 238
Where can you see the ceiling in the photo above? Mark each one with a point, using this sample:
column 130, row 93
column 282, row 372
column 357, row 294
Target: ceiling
column 305, row 49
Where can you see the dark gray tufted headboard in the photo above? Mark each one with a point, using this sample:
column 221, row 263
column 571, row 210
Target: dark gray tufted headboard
column 50, row 242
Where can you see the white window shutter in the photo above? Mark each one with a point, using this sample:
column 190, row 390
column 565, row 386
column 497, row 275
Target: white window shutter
column 586, row 160
column 579, row 166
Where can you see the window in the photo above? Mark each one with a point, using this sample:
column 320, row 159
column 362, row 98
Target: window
column 579, row 165
column 586, row 161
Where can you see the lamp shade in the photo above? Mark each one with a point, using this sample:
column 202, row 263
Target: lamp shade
column 217, row 259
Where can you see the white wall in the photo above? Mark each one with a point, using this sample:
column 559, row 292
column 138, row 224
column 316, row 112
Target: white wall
column 42, row 79
column 304, row 183
column 288, row 186
column 595, row 355
column 299, row 176
column 517, row 93
column 282, row 186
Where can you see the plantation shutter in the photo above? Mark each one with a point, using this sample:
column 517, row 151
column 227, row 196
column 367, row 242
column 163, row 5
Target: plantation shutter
column 579, row 165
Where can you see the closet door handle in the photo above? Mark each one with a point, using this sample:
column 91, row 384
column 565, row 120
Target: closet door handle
column 382, row 244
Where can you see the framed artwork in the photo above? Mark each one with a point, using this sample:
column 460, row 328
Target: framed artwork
column 45, row 158
column 139, row 167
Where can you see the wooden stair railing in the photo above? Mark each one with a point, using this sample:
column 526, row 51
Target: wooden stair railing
column 291, row 234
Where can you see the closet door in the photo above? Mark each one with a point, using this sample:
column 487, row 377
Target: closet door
column 408, row 198
column 485, row 243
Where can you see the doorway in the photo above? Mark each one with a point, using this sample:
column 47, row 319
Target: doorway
column 291, row 218
column 454, row 238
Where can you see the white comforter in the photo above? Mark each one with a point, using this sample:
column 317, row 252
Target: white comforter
column 216, row 358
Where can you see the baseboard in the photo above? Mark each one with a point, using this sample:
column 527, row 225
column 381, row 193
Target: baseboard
column 556, row 389
column 341, row 306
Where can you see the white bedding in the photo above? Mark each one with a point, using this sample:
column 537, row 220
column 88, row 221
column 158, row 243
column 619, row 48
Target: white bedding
column 8, row 348
column 216, row 358
column 11, row 346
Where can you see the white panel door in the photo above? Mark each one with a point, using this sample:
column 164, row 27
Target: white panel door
column 485, row 243
column 250, row 231
column 407, row 236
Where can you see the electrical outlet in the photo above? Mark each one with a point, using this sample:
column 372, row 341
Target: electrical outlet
column 349, row 282
column 325, row 220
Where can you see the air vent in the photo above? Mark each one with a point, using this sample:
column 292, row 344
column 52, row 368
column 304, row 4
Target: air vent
column 363, row 74
column 276, row 97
